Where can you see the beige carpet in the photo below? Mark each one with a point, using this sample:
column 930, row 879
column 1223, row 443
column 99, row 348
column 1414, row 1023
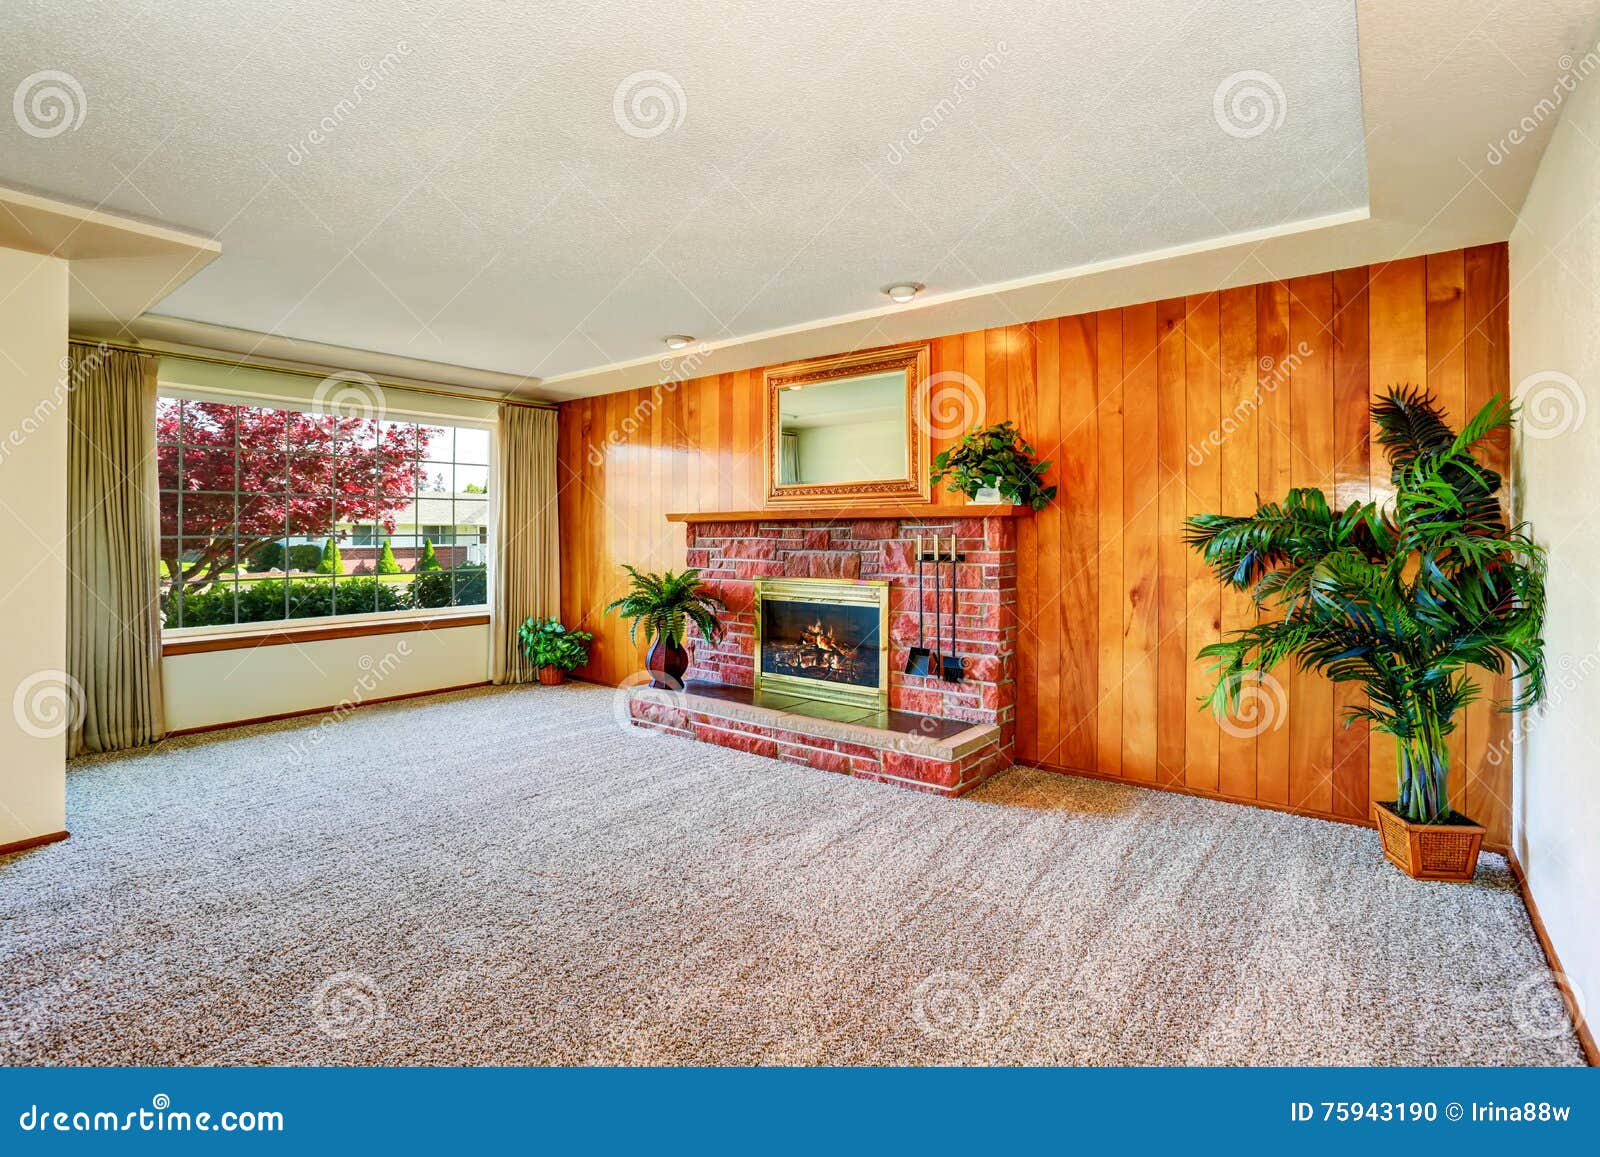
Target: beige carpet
column 509, row 876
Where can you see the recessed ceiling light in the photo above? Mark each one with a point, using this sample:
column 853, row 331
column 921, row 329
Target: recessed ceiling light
column 676, row 341
column 904, row 291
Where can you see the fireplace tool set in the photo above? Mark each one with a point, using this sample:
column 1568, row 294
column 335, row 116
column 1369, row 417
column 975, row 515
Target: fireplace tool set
column 924, row 660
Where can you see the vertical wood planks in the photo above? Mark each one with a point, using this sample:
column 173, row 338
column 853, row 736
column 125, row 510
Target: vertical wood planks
column 1351, row 483
column 1077, row 618
column 1398, row 338
column 1487, row 368
column 1022, row 407
column 1172, row 706
column 1141, row 521
column 1311, row 464
column 1274, row 425
column 1150, row 413
column 1050, row 605
column 1241, row 401
column 1202, row 495
column 1447, row 379
column 1109, row 542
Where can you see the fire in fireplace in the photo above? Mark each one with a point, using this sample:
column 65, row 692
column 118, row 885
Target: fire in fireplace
column 823, row 639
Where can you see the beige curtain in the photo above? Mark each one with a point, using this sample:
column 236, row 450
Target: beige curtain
column 113, row 579
column 527, row 557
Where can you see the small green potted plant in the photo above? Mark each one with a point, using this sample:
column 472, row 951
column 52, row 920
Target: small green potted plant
column 665, row 605
column 553, row 649
column 992, row 464
column 1405, row 599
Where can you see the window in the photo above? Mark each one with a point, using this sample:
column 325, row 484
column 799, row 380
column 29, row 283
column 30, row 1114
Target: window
column 271, row 514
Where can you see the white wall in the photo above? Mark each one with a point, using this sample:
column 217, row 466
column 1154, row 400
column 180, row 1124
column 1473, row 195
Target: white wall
column 1555, row 373
column 34, row 697
column 228, row 686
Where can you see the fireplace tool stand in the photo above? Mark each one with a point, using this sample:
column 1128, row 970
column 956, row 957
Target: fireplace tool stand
column 922, row 661
column 952, row 669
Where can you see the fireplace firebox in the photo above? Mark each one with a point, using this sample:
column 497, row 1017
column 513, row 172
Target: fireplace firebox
column 823, row 639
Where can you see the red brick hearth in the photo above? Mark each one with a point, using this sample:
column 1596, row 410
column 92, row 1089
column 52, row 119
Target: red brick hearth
column 732, row 554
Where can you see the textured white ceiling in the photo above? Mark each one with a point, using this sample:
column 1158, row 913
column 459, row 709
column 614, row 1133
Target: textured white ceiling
column 477, row 198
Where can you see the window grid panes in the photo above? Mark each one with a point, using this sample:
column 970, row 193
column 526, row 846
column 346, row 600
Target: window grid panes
column 273, row 514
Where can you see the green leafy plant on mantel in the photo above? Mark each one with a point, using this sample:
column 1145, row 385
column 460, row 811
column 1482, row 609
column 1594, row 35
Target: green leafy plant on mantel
column 549, row 644
column 665, row 604
column 1400, row 597
column 994, row 457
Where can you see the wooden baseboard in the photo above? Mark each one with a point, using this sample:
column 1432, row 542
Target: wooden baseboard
column 232, row 723
column 1585, row 1036
column 32, row 842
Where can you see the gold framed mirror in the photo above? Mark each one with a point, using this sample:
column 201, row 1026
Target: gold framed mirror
column 842, row 429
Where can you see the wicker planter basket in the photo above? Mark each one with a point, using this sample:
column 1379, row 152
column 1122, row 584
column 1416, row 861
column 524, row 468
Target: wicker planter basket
column 1429, row 851
column 550, row 676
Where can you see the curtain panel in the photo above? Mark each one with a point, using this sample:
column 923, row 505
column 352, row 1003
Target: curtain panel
column 113, row 578
column 527, row 558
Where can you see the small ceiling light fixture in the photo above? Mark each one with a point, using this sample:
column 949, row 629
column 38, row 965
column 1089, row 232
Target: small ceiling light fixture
column 904, row 291
column 676, row 341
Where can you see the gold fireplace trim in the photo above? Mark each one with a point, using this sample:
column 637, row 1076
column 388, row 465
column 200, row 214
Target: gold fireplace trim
column 839, row 592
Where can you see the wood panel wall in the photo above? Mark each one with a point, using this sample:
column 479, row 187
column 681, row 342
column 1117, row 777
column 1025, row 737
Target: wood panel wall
column 1113, row 606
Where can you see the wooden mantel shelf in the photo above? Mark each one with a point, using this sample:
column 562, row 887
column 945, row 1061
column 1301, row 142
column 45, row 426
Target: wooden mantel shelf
column 849, row 513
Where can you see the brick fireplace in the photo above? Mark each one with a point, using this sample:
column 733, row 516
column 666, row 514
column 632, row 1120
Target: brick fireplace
column 975, row 718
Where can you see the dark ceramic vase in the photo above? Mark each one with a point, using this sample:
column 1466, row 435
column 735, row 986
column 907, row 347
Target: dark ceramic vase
column 666, row 661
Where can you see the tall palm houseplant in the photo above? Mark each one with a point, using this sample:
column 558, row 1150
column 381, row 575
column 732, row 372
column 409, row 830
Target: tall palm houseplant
column 1401, row 597
column 665, row 605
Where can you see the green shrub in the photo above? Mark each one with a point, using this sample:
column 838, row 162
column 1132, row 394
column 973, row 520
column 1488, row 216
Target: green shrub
column 307, row 556
column 271, row 600
column 269, row 557
column 472, row 585
column 331, row 562
column 435, row 588
column 386, row 561
column 430, row 560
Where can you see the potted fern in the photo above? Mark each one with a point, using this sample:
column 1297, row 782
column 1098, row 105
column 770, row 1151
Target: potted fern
column 665, row 604
column 553, row 649
column 1401, row 598
column 994, row 464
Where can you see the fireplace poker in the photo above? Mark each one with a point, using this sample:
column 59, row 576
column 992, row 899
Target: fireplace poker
column 952, row 668
column 920, row 661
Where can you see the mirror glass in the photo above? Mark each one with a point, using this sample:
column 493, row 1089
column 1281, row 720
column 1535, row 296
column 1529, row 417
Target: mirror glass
column 850, row 429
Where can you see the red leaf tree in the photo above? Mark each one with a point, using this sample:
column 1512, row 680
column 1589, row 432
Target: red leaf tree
column 251, row 476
